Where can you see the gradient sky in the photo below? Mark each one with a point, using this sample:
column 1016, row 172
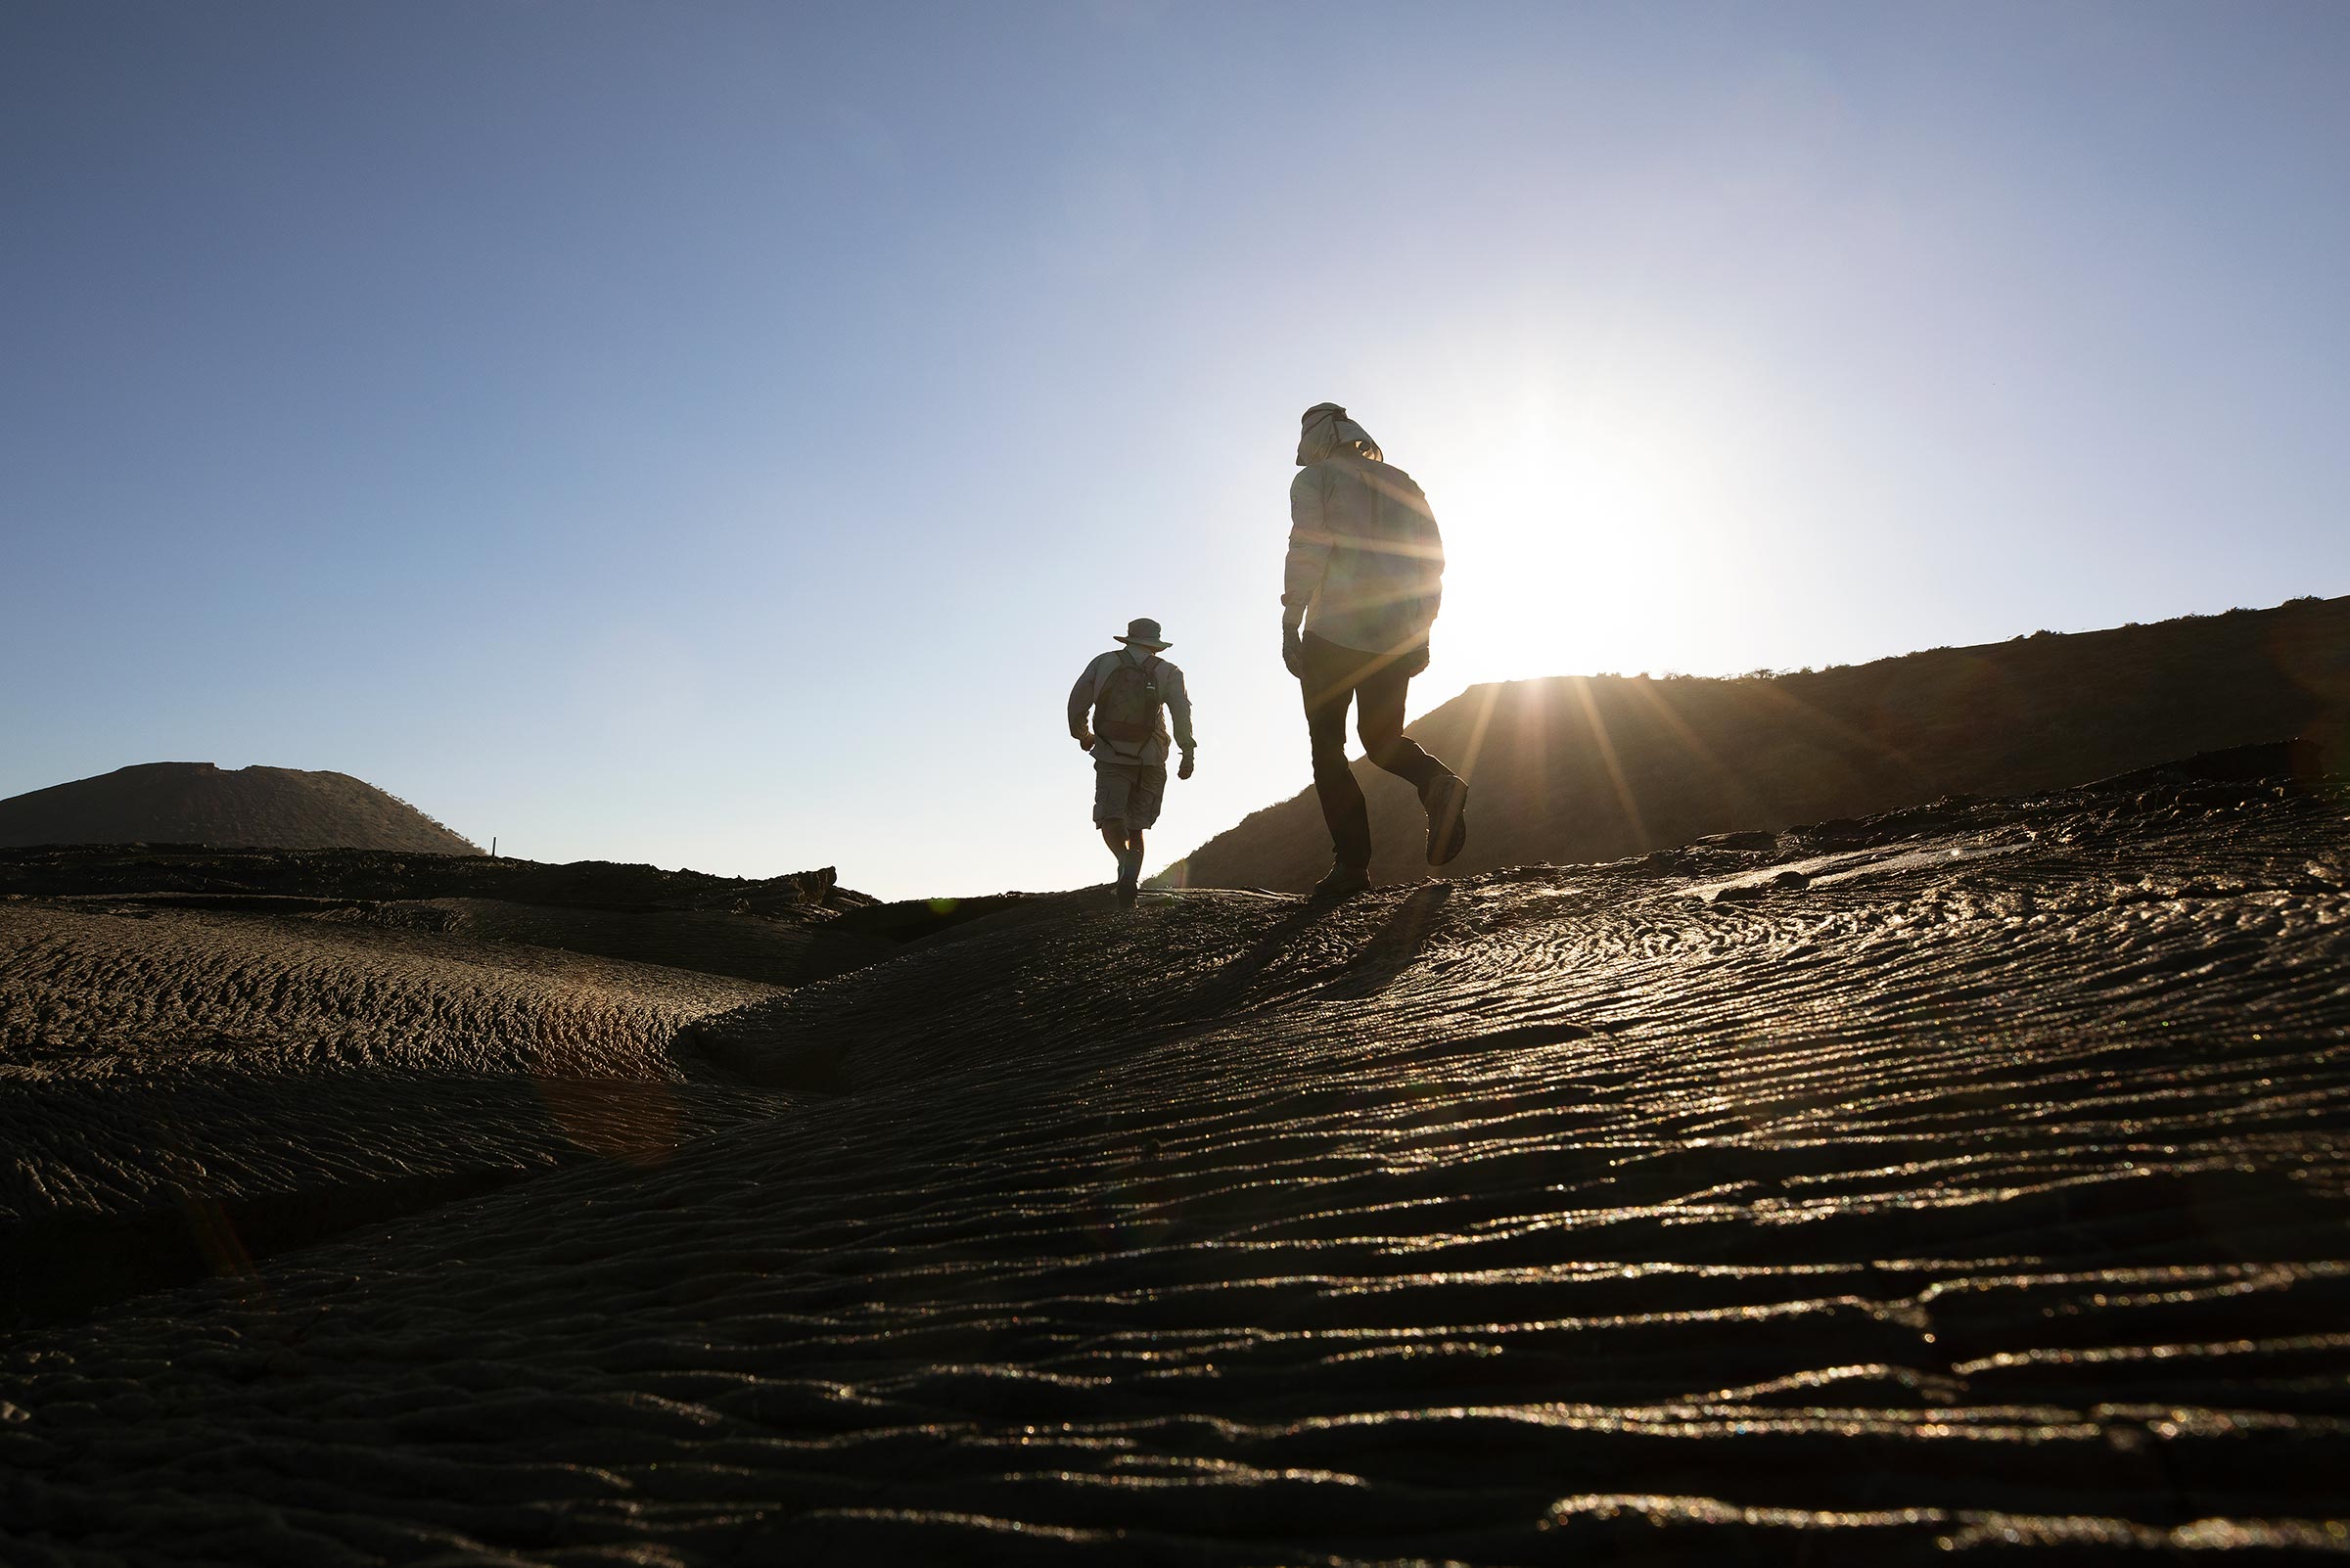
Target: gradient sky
column 717, row 435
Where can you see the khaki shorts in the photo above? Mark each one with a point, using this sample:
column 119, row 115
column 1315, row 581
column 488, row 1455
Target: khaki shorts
column 1128, row 794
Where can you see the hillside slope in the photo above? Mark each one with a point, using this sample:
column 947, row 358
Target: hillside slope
column 1574, row 768
column 196, row 803
column 779, row 931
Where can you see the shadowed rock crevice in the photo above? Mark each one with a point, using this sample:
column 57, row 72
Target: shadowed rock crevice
column 63, row 1267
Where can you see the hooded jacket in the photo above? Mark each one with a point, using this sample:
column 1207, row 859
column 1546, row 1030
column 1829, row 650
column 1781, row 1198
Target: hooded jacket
column 1366, row 565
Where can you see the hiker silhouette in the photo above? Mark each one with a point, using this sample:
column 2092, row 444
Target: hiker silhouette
column 1360, row 589
column 1123, row 692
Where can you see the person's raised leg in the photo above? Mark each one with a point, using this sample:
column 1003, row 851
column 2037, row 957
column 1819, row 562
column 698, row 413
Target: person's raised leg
column 1379, row 716
column 1379, row 721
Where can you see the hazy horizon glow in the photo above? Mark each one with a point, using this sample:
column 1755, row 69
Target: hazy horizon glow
column 717, row 435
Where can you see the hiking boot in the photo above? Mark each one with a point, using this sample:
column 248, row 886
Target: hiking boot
column 1447, row 803
column 1343, row 881
column 1129, row 880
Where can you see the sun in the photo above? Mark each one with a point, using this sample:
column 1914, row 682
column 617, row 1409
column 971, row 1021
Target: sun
column 1568, row 549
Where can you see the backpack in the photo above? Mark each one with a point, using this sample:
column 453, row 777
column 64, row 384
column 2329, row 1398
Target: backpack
column 1126, row 708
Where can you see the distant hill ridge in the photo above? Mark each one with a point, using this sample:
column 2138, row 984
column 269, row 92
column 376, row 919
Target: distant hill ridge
column 197, row 803
column 1584, row 769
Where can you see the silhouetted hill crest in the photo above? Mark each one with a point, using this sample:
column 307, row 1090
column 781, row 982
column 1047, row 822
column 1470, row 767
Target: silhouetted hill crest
column 197, row 803
column 1574, row 768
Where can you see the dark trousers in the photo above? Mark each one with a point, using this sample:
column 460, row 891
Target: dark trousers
column 1375, row 684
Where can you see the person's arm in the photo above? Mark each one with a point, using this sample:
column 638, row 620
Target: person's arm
column 1432, row 590
column 1178, row 715
column 1080, row 706
column 1179, row 710
column 1433, row 598
column 1308, row 549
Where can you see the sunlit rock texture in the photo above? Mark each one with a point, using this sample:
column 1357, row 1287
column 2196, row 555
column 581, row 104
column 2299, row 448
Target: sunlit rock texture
column 1972, row 1179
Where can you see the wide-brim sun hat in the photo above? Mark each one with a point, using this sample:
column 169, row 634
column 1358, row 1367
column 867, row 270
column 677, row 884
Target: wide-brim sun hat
column 1144, row 632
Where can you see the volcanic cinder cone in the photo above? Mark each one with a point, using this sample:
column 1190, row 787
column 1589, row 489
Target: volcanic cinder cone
column 196, row 803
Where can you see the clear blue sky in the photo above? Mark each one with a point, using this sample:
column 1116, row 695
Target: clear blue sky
column 717, row 435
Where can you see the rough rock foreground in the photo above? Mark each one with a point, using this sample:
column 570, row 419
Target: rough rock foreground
column 1969, row 1178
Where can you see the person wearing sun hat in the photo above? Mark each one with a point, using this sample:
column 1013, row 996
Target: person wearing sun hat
column 1115, row 714
column 1361, row 588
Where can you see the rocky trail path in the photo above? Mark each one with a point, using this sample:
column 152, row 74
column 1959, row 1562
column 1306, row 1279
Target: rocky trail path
column 1968, row 1179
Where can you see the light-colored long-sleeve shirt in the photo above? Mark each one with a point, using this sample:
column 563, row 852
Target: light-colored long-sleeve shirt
column 1366, row 565
column 1151, row 751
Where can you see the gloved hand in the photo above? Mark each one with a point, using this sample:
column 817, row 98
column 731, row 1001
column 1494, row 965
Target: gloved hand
column 1185, row 771
column 1415, row 661
column 1293, row 652
column 1085, row 743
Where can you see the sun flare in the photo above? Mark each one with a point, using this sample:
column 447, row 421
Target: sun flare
column 1571, row 548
